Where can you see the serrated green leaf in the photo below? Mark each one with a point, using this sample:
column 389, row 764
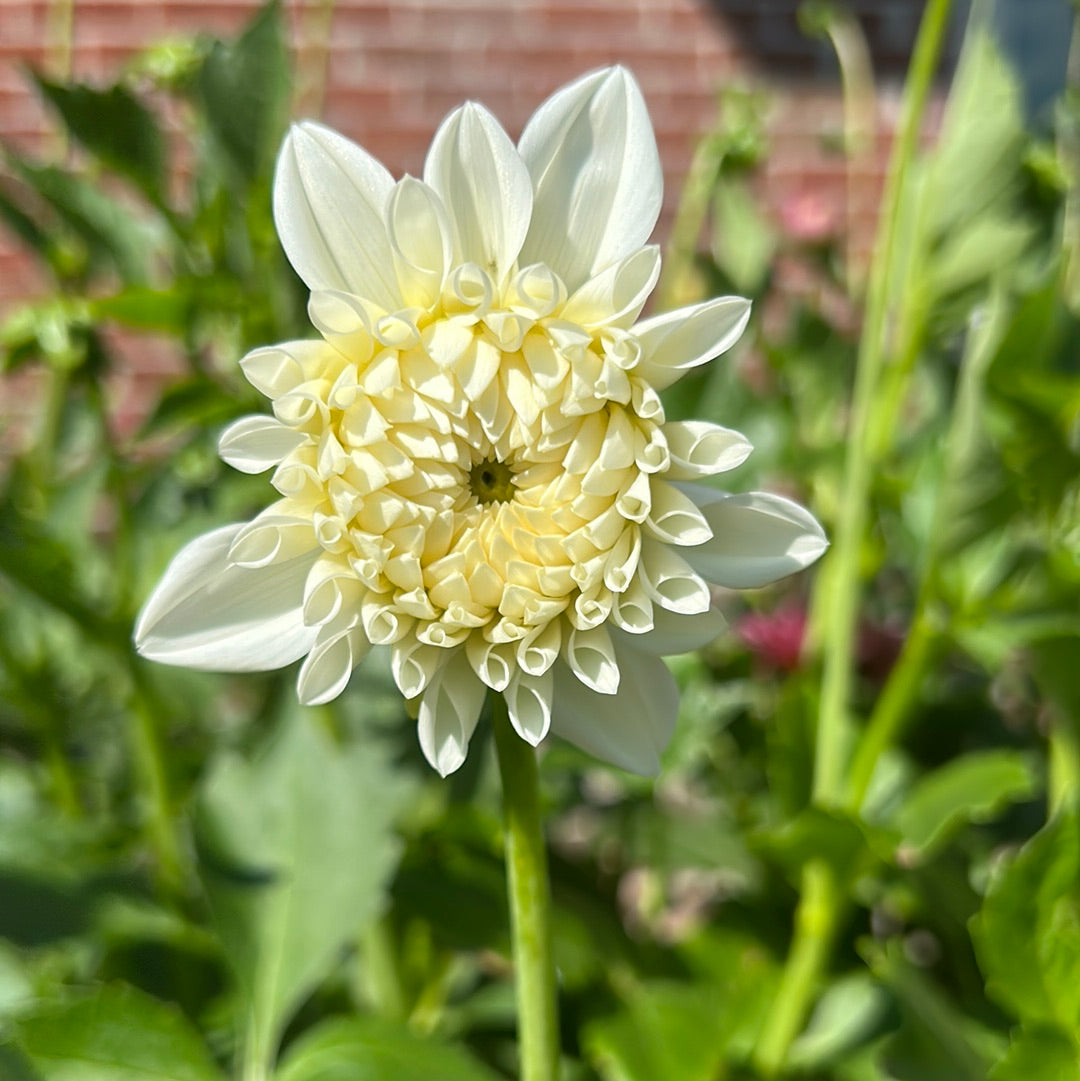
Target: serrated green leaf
column 116, row 1034
column 114, row 126
column 973, row 788
column 109, row 229
column 244, row 88
column 1039, row 1054
column 1027, row 935
column 297, row 849
column 372, row 1049
column 681, row 1031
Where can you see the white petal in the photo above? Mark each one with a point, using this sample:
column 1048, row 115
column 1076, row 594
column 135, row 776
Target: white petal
column 414, row 664
column 592, row 155
column 633, row 610
column 277, row 369
column 449, row 711
column 255, row 444
column 670, row 580
column 206, row 613
column 330, row 200
column 591, row 657
column 629, row 729
column 528, row 702
column 673, row 633
column 675, row 341
column 272, row 537
column 421, row 238
column 700, row 449
column 327, row 669
column 757, row 538
column 484, row 185
column 493, row 663
column 617, row 294
column 675, row 518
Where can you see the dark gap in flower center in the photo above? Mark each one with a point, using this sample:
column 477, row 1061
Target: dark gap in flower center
column 492, row 481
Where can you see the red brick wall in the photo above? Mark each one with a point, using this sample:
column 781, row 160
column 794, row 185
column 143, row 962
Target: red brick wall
column 395, row 67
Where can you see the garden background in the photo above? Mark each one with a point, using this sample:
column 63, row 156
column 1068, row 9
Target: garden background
column 862, row 858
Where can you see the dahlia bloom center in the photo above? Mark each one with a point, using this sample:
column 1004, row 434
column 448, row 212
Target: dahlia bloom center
column 477, row 470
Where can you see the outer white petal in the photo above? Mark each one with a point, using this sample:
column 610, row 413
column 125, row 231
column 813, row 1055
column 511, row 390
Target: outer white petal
column 592, row 155
column 275, row 370
column 421, row 238
column 701, row 449
column 673, row 633
column 590, row 655
column 675, row 341
column 617, row 294
column 330, row 200
column 208, row 614
column 528, row 703
column 255, row 444
column 327, row 669
column 630, row 728
column 449, row 711
column 484, row 185
column 757, row 538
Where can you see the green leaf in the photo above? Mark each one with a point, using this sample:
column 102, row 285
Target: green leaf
column 197, row 403
column 244, row 89
column 937, row 1041
column 110, row 230
column 687, row 1031
column 146, row 309
column 743, row 242
column 977, row 160
column 850, row 1012
column 1027, row 935
column 815, row 834
column 114, row 126
column 372, row 1049
column 297, row 848
column 116, row 1034
column 45, row 567
column 1039, row 1054
column 974, row 788
column 15, row 1067
column 680, row 1031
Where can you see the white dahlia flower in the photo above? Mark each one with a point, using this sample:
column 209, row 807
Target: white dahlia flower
column 473, row 463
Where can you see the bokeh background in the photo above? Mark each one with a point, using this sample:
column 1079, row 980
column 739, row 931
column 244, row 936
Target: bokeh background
column 200, row 879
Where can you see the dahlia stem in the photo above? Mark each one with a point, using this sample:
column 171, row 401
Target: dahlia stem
column 530, row 902
column 836, row 601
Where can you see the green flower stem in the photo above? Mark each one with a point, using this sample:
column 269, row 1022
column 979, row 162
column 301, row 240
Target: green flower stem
column 816, row 921
column 530, row 902
column 152, row 779
column 892, row 708
column 837, row 595
column 822, row 903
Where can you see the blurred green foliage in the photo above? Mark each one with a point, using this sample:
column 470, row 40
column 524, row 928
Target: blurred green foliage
column 199, row 879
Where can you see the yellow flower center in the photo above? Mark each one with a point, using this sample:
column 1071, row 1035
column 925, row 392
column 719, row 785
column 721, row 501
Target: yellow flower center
column 492, row 481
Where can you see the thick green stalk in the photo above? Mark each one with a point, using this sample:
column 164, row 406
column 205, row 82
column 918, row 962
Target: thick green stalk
column 530, row 902
column 892, row 709
column 149, row 763
column 816, row 920
column 836, row 600
column 837, row 595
